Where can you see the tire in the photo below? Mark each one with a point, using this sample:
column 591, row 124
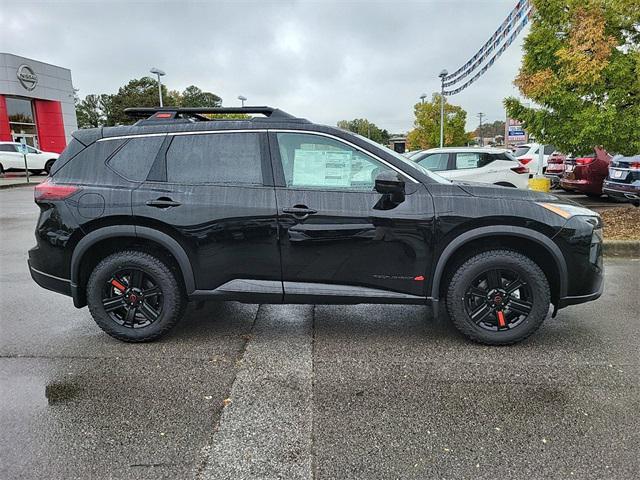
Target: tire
column 475, row 278
column 593, row 195
column 48, row 165
column 134, row 280
column 1, row 169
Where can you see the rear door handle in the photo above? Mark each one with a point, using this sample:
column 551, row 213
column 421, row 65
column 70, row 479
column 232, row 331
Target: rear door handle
column 163, row 202
column 299, row 211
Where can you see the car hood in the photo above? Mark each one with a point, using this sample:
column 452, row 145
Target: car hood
column 495, row 191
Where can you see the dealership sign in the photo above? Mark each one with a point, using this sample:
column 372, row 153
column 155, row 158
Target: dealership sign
column 27, row 77
column 515, row 131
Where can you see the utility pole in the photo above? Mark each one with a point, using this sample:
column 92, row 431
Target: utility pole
column 480, row 115
column 443, row 75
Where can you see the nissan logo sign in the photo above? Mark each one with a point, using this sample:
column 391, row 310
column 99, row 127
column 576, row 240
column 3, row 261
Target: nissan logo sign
column 27, row 77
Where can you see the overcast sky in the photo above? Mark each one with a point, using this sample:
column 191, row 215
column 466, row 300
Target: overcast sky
column 322, row 60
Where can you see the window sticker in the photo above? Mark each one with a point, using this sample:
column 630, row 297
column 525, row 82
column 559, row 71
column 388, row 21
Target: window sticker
column 322, row 168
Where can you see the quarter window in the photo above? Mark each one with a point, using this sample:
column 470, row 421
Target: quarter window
column 133, row 161
column 223, row 158
column 313, row 161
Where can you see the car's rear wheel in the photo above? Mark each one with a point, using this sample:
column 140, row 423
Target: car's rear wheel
column 48, row 166
column 134, row 296
column 498, row 297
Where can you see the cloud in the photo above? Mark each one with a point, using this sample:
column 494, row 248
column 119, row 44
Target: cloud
column 325, row 61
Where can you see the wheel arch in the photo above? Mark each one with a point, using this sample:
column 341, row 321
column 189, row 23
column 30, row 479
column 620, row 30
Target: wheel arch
column 535, row 245
column 131, row 236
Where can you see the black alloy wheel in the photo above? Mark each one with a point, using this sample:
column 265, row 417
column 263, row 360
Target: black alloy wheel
column 135, row 296
column 498, row 299
column 132, row 298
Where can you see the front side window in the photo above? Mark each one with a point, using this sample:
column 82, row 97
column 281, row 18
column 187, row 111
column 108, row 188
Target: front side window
column 221, row 158
column 313, row 161
column 435, row 162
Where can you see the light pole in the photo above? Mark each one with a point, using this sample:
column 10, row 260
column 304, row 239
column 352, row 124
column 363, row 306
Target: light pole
column 422, row 97
column 159, row 73
column 442, row 76
column 243, row 99
column 480, row 115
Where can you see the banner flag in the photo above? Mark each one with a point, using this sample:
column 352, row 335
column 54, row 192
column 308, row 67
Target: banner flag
column 503, row 30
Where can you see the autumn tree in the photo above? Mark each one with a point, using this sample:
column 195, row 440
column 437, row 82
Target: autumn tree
column 581, row 69
column 426, row 132
column 364, row 127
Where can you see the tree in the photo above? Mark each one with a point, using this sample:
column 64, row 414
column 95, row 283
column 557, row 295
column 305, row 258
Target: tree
column 364, row 127
column 426, row 133
column 582, row 68
column 490, row 129
column 108, row 109
column 192, row 96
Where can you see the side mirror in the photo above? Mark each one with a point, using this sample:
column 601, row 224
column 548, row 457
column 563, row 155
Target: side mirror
column 389, row 182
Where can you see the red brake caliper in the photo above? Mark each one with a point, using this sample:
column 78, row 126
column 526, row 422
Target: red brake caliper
column 118, row 285
column 501, row 321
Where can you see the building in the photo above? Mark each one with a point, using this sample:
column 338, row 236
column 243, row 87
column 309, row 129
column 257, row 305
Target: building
column 398, row 143
column 36, row 103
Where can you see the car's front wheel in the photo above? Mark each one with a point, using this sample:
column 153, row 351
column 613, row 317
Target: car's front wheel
column 134, row 296
column 498, row 297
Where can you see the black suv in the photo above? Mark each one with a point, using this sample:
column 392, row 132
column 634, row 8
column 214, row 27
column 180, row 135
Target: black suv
column 137, row 220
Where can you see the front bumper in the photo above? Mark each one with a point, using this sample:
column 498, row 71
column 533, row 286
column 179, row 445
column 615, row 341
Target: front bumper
column 577, row 299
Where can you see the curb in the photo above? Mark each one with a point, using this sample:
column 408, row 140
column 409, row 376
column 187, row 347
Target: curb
column 17, row 185
column 622, row 248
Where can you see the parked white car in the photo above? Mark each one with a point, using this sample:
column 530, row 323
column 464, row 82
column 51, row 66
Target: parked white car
column 529, row 155
column 476, row 164
column 11, row 158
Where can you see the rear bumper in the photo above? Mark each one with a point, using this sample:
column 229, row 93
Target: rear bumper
column 554, row 177
column 579, row 185
column 621, row 190
column 50, row 282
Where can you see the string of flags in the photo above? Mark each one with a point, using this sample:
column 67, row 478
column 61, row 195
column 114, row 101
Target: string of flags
column 519, row 17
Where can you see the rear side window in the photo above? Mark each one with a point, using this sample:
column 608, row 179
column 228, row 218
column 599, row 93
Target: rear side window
column 549, row 149
column 222, row 158
column 472, row 160
column 435, row 162
column 133, row 161
column 7, row 148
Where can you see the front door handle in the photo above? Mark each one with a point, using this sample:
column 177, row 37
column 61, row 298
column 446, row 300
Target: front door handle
column 163, row 202
column 300, row 211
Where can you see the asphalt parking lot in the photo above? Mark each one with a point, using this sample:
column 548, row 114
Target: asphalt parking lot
column 368, row 391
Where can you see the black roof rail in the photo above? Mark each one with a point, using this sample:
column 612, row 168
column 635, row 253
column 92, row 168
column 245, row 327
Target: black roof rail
column 195, row 113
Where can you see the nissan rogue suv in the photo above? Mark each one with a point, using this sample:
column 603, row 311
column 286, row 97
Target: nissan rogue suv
column 135, row 221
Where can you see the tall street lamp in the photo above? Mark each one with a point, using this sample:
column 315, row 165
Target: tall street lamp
column 243, row 99
column 480, row 115
column 442, row 76
column 159, row 73
column 422, row 97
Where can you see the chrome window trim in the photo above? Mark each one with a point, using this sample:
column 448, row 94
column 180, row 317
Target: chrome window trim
column 268, row 130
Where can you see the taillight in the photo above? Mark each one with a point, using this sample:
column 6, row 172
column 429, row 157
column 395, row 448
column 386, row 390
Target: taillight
column 49, row 191
column 556, row 160
column 520, row 169
column 525, row 160
column 584, row 160
column 634, row 166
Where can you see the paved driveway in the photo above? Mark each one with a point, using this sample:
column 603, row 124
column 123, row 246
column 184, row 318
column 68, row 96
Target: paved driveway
column 368, row 391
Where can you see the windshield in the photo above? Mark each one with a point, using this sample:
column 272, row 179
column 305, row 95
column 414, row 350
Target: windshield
column 406, row 162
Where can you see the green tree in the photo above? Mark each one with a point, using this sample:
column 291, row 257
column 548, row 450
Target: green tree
column 192, row 96
column 490, row 129
column 582, row 68
column 139, row 92
column 94, row 110
column 364, row 127
column 426, row 133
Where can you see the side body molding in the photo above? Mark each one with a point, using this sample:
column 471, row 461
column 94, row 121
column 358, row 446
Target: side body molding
column 498, row 230
column 127, row 231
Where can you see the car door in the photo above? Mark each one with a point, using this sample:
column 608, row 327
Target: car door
column 341, row 241
column 472, row 166
column 213, row 192
column 10, row 157
column 436, row 162
column 35, row 158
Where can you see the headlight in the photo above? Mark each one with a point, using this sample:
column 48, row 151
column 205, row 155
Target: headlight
column 566, row 210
